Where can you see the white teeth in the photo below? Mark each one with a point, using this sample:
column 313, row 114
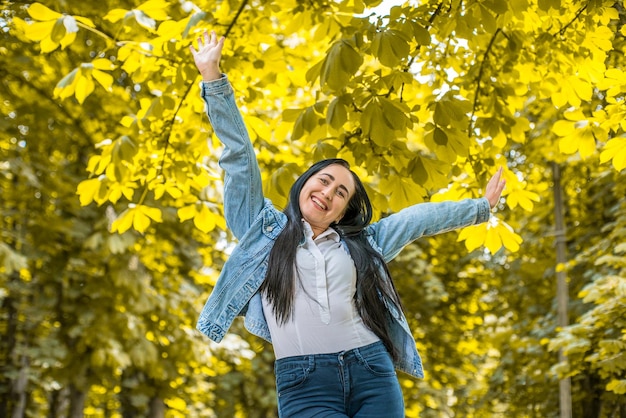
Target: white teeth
column 319, row 203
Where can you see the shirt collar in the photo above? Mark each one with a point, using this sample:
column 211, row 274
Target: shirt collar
column 330, row 233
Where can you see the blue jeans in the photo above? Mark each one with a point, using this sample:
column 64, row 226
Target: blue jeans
column 356, row 383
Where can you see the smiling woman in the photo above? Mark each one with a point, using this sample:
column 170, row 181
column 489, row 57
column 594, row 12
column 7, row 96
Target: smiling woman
column 313, row 279
column 324, row 197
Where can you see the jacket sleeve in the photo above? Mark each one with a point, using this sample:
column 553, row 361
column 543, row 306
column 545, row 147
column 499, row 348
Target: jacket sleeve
column 392, row 233
column 243, row 192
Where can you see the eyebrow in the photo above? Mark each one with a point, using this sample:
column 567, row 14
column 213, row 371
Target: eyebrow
column 341, row 186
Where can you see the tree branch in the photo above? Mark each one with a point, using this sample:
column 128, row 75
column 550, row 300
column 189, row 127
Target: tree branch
column 170, row 124
column 564, row 28
column 481, row 70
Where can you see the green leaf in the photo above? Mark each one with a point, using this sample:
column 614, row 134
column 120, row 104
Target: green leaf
column 390, row 47
column 340, row 64
column 337, row 114
column 440, row 137
column 497, row 6
column 421, row 34
column 374, row 124
column 429, row 173
column 395, row 113
column 401, row 192
column 58, row 31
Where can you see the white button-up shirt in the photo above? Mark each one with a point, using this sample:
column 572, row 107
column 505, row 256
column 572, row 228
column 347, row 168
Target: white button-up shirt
column 325, row 319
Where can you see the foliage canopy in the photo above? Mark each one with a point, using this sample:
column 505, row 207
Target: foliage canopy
column 112, row 223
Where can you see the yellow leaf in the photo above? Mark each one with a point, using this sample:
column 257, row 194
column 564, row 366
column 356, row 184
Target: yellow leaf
column 85, row 21
column 103, row 64
column 48, row 45
column 128, row 121
column 84, row 87
column 617, row 386
column 39, row 30
column 155, row 9
column 500, row 140
column 563, row 128
column 581, row 140
column 615, row 150
column 582, row 88
column 116, row 190
column 105, row 80
column 259, row 127
column 204, row 220
column 174, row 191
column 40, row 12
column 474, row 236
column 116, row 14
column 141, row 221
column 187, row 212
column 177, row 404
column 493, row 241
column 68, row 39
column 521, row 197
column 510, row 239
column 124, row 221
column 153, row 213
column 587, row 143
column 87, row 189
column 493, row 234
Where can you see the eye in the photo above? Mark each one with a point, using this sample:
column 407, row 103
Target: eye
column 323, row 180
column 341, row 194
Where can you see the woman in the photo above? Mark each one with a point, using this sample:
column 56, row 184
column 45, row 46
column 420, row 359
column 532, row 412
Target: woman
column 313, row 279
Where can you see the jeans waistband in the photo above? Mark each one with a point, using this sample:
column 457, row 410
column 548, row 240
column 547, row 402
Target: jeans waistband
column 354, row 354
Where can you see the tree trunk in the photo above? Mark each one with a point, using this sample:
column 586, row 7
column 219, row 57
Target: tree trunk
column 57, row 403
column 7, row 349
column 18, row 390
column 77, row 403
column 157, row 408
column 562, row 294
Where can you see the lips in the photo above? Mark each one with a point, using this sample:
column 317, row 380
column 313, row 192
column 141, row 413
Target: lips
column 319, row 203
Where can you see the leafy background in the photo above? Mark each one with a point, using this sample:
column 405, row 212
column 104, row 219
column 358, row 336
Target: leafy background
column 112, row 225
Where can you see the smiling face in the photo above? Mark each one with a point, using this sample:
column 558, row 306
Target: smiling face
column 325, row 196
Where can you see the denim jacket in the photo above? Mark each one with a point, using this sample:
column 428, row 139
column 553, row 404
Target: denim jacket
column 256, row 223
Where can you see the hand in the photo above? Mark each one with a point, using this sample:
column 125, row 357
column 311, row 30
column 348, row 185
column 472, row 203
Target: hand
column 207, row 57
column 494, row 188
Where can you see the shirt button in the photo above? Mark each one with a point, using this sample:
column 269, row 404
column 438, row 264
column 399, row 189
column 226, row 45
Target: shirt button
column 269, row 228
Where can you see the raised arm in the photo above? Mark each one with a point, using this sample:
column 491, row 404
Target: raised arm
column 393, row 233
column 243, row 193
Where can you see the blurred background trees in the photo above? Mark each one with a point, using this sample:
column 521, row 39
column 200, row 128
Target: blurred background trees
column 112, row 226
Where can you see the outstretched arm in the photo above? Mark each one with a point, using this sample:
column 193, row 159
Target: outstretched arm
column 393, row 232
column 243, row 192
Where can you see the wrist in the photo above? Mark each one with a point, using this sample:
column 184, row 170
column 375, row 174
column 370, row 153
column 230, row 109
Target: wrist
column 211, row 74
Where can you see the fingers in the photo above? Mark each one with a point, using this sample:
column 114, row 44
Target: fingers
column 494, row 188
column 205, row 40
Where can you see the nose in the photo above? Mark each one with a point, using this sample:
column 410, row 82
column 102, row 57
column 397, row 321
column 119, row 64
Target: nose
column 327, row 192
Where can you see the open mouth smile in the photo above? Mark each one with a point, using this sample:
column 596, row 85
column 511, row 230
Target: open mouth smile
column 319, row 203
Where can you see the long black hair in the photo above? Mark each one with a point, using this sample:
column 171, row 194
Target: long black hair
column 373, row 285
